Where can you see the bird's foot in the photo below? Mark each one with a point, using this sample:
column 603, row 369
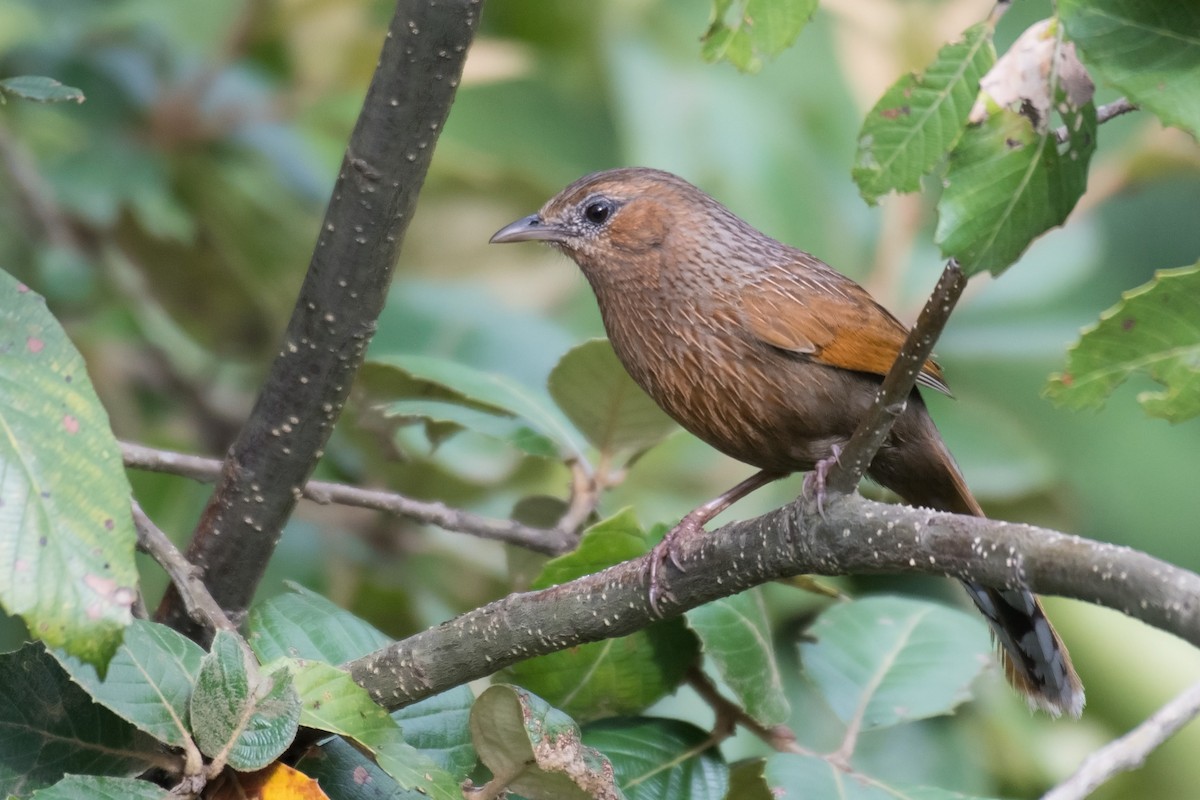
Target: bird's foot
column 691, row 525
column 814, row 482
column 663, row 552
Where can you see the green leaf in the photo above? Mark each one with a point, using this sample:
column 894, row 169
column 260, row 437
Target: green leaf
column 462, row 320
column 73, row 787
column 1007, row 185
column 748, row 780
column 1149, row 49
column 608, row 542
column 1009, row 180
column 614, row 676
column 535, row 749
column 1154, row 330
column 113, row 175
column 438, row 379
column 438, row 726
column 303, row 624
column 592, row 387
column 50, row 727
column 796, row 777
column 414, row 770
column 744, row 32
column 40, row 89
column 239, row 713
column 66, row 534
column 67, row 275
column 660, row 759
column 538, row 511
column 346, row 774
column 736, row 634
column 921, row 117
column 886, row 660
column 149, row 680
column 504, row 427
column 331, row 701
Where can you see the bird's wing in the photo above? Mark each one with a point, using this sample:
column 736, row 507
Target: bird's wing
column 778, row 311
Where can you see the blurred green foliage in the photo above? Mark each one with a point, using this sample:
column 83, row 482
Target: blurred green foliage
column 1148, row 331
column 169, row 218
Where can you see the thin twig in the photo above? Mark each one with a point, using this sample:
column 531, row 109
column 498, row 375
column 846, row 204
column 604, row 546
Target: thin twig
column 1129, row 751
column 730, row 715
column 584, row 497
column 893, row 393
column 204, row 610
column 1103, row 114
column 999, row 11
column 550, row 542
column 1114, row 109
column 200, row 605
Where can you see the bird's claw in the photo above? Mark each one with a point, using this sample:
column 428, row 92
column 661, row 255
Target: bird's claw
column 657, row 591
column 663, row 552
column 814, row 482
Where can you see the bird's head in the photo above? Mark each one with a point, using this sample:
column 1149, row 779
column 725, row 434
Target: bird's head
column 607, row 218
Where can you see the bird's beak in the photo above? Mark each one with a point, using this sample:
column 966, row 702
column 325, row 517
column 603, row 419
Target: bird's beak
column 527, row 229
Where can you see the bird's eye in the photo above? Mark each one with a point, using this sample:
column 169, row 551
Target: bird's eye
column 597, row 212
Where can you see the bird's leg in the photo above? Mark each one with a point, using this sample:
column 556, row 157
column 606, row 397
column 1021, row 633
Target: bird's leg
column 814, row 482
column 693, row 524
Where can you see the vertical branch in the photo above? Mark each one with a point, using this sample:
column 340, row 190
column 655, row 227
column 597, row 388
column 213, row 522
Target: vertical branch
column 342, row 295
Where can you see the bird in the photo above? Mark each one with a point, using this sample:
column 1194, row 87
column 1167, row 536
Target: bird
column 772, row 357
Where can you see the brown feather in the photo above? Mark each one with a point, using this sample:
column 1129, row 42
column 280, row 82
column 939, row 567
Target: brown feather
column 867, row 338
column 773, row 358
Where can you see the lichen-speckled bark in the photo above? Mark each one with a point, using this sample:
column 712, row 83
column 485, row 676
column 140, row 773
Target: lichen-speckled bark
column 343, row 292
column 855, row 536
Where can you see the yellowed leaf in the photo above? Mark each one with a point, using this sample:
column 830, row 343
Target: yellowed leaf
column 276, row 782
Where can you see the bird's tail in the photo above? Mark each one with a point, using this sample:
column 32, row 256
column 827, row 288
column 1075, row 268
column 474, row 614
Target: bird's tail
column 1035, row 659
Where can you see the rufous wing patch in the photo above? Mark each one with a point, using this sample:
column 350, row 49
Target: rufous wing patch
column 865, row 338
column 782, row 320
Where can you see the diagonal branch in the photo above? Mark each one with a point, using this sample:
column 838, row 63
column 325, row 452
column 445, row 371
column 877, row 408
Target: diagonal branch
column 197, row 601
column 893, row 394
column 1129, row 751
column 343, row 292
column 729, row 715
column 855, row 536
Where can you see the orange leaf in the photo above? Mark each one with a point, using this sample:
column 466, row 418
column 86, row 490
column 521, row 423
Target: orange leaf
column 276, row 782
